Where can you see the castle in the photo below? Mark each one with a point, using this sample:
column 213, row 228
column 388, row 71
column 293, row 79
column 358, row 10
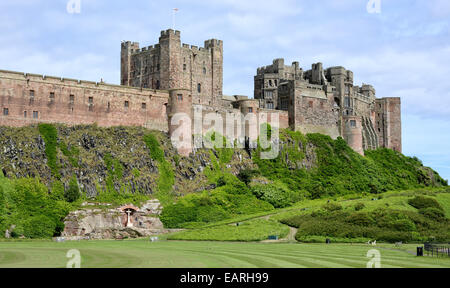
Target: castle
column 169, row 78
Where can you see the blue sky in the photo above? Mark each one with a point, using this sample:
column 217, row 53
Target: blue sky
column 404, row 51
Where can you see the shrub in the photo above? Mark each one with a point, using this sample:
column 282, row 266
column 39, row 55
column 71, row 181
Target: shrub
column 330, row 206
column 381, row 224
column 39, row 227
column 360, row 219
column 359, row 206
column 276, row 194
column 246, row 175
column 433, row 213
column 72, row 193
column 420, row 202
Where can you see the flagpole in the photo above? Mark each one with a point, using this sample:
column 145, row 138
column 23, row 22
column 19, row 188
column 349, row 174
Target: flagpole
column 174, row 10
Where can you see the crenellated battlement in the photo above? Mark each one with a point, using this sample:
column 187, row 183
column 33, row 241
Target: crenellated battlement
column 170, row 32
column 31, row 77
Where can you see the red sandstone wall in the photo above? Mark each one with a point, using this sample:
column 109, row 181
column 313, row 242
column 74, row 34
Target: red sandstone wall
column 353, row 133
column 107, row 108
column 388, row 123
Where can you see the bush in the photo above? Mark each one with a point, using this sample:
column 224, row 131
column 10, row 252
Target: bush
column 360, row 219
column 25, row 203
column 432, row 213
column 330, row 206
column 359, row 206
column 246, row 175
column 72, row 194
column 39, row 227
column 276, row 194
column 420, row 202
column 381, row 224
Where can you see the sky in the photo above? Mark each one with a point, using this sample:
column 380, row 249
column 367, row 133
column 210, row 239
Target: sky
column 403, row 51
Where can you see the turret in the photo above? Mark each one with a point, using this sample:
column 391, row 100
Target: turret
column 180, row 120
column 127, row 48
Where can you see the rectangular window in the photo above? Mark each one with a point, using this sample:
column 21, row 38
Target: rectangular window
column 5, row 111
column 184, row 67
column 32, row 93
column 144, row 106
column 24, row 114
column 250, row 110
column 35, row 114
column 127, row 104
column 268, row 94
column 71, row 99
column 270, row 105
column 91, row 103
column 52, row 96
column 347, row 102
column 180, row 97
column 353, row 123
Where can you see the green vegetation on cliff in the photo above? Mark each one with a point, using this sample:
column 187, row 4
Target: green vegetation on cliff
column 50, row 135
column 166, row 176
column 339, row 170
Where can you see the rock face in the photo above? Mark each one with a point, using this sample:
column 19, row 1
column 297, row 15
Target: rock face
column 106, row 223
column 23, row 154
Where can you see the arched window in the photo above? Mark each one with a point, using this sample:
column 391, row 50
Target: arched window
column 199, row 88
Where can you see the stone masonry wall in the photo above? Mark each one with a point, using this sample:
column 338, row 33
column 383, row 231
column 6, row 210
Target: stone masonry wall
column 26, row 99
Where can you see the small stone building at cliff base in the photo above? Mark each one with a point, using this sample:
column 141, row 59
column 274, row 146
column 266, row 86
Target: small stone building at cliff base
column 161, row 81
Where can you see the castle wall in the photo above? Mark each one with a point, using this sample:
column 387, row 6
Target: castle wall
column 31, row 98
column 312, row 110
column 388, row 122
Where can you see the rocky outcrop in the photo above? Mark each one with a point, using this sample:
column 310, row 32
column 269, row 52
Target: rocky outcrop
column 23, row 154
column 103, row 222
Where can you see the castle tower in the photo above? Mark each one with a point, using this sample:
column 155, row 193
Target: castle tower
column 170, row 46
column 127, row 49
column 173, row 65
column 388, row 123
column 180, row 118
column 352, row 126
column 216, row 50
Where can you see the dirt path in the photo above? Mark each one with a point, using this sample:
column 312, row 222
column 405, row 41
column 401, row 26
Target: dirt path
column 291, row 235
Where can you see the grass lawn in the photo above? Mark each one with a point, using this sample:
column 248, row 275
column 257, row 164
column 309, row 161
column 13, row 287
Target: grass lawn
column 171, row 254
